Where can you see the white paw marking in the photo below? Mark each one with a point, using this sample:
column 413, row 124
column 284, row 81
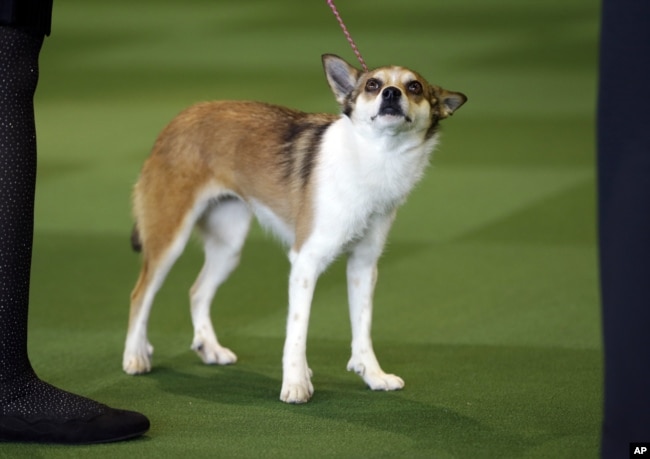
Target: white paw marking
column 214, row 354
column 384, row 381
column 376, row 379
column 298, row 391
column 138, row 362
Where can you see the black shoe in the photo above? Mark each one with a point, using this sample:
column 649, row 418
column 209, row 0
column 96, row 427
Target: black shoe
column 108, row 425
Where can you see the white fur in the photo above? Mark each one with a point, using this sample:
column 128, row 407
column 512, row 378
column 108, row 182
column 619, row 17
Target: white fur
column 271, row 222
column 224, row 230
column 371, row 175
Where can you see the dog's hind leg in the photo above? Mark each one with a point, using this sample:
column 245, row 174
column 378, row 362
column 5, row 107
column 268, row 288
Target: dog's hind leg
column 160, row 252
column 224, row 228
column 138, row 350
column 362, row 277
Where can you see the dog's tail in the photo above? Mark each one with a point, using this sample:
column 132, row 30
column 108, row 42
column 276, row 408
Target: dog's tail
column 136, row 242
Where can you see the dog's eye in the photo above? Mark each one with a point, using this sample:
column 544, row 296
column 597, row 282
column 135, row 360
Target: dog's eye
column 372, row 85
column 415, row 87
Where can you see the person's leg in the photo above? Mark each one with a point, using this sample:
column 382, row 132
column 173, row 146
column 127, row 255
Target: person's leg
column 30, row 409
column 624, row 222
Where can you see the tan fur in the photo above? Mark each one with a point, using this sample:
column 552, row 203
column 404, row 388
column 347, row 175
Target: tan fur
column 192, row 154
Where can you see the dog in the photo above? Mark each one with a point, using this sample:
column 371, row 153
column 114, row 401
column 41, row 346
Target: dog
column 324, row 184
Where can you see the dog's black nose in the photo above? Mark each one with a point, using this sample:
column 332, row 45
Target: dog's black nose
column 391, row 93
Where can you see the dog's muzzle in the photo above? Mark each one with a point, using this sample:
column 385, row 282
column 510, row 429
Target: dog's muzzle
column 390, row 103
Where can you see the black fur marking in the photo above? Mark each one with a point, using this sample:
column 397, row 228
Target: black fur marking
column 302, row 141
column 136, row 243
column 348, row 105
column 309, row 158
column 433, row 129
column 288, row 154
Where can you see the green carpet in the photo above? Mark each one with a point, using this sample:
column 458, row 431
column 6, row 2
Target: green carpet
column 487, row 303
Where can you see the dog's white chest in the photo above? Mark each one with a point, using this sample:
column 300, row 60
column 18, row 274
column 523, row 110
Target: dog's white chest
column 375, row 172
column 357, row 178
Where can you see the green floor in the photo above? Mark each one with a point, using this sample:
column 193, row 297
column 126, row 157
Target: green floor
column 487, row 303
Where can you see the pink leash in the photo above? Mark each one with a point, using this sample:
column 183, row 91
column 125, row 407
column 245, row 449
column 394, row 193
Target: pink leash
column 347, row 34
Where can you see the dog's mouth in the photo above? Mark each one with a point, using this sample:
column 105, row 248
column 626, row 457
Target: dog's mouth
column 392, row 110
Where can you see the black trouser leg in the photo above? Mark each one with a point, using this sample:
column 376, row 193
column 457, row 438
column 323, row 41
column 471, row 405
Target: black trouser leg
column 30, row 409
column 19, row 74
column 624, row 221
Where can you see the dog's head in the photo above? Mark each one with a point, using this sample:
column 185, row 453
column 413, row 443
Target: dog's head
column 389, row 98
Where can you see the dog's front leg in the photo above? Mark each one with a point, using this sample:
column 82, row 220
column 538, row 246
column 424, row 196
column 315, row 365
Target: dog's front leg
column 362, row 276
column 306, row 266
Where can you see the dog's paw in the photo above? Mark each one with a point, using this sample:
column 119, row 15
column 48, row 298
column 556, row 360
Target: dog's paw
column 296, row 393
column 138, row 362
column 296, row 386
column 384, row 381
column 376, row 379
column 213, row 354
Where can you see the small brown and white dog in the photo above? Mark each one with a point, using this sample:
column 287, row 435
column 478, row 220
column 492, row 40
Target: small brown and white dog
column 325, row 184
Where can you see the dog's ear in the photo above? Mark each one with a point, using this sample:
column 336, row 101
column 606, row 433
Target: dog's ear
column 341, row 76
column 450, row 101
